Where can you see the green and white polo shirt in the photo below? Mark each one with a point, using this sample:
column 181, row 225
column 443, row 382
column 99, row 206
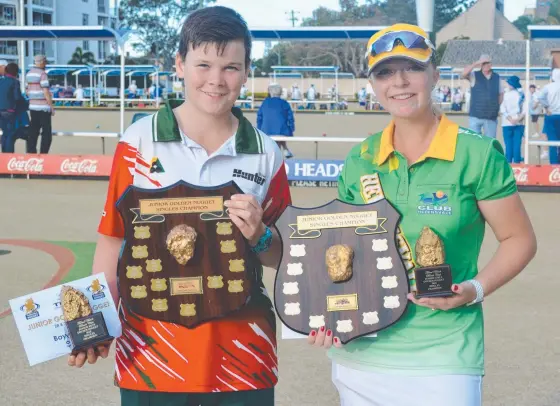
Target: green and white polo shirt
column 440, row 190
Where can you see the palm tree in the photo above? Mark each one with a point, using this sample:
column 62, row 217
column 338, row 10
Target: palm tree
column 79, row 57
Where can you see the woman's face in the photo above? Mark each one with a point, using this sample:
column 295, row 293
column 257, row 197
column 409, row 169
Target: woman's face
column 404, row 87
column 213, row 79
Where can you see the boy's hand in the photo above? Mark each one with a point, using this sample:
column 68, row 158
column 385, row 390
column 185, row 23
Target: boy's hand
column 91, row 355
column 246, row 213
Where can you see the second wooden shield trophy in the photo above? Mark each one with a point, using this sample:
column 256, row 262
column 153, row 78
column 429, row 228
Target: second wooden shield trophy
column 341, row 269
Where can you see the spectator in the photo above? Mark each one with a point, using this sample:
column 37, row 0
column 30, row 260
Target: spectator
column 40, row 106
column 132, row 90
column 513, row 110
column 275, row 117
column 457, row 104
column 362, row 97
column 486, row 97
column 535, row 110
column 11, row 102
column 549, row 98
column 79, row 95
column 311, row 95
column 3, row 64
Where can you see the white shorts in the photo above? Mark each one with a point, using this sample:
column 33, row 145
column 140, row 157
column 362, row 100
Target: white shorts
column 360, row 388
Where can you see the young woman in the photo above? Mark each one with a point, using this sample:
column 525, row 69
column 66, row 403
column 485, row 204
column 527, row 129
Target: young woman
column 206, row 142
column 513, row 110
column 434, row 355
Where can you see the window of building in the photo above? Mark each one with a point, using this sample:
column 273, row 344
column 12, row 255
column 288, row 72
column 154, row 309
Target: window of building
column 102, row 51
column 85, row 19
column 44, row 3
column 8, row 48
column 7, row 14
column 101, row 6
column 85, row 46
column 40, row 18
column 103, row 21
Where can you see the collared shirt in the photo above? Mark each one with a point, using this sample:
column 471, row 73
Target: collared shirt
column 237, row 352
column 440, row 190
column 37, row 80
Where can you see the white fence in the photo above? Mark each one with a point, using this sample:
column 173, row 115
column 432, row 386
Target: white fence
column 315, row 140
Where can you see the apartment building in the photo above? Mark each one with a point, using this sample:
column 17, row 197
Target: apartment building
column 58, row 12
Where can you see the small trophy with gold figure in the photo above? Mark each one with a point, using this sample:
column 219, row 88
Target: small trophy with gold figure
column 433, row 276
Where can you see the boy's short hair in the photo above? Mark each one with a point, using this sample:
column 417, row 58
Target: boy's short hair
column 12, row 69
column 532, row 87
column 214, row 25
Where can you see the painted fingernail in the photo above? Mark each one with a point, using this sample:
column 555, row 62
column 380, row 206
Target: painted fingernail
column 336, row 340
column 329, row 333
column 313, row 333
column 322, row 329
column 455, row 288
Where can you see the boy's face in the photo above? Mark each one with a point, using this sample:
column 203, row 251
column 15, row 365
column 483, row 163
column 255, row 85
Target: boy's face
column 213, row 80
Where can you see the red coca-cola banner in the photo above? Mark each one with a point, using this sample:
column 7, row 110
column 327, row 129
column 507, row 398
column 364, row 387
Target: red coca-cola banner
column 537, row 175
column 100, row 166
column 56, row 165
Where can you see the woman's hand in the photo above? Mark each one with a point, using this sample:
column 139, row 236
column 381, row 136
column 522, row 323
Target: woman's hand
column 91, row 355
column 463, row 293
column 323, row 338
column 246, row 213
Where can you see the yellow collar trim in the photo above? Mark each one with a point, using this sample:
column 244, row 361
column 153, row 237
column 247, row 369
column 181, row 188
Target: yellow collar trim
column 442, row 146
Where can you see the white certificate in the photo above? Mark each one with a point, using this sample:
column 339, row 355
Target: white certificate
column 40, row 322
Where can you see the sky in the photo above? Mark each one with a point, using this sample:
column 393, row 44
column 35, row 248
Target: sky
column 275, row 13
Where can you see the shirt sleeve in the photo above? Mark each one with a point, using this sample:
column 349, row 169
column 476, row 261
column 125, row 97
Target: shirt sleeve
column 496, row 179
column 344, row 192
column 278, row 196
column 122, row 175
column 44, row 80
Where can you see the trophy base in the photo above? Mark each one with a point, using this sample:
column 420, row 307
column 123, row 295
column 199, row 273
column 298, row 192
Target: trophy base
column 433, row 281
column 87, row 332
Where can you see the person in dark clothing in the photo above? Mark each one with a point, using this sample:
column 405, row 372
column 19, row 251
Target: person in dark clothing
column 487, row 92
column 275, row 117
column 11, row 101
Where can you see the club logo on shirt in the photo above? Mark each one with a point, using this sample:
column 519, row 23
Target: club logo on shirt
column 434, row 203
column 253, row 177
column 156, row 166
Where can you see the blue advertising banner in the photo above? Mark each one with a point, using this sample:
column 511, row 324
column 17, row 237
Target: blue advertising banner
column 313, row 173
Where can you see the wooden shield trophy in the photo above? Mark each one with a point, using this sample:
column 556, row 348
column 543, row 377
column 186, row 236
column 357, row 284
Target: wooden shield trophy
column 341, row 269
column 183, row 259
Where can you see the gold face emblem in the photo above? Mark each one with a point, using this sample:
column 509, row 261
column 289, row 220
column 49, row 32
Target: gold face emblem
column 224, row 228
column 236, row 265
column 142, row 232
column 228, row 247
column 188, row 309
column 235, row 286
column 159, row 285
column 140, row 251
column 138, row 292
column 133, row 272
column 153, row 265
column 215, row 282
column 159, row 305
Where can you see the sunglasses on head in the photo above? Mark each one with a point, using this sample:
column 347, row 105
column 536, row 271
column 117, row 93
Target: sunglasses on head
column 408, row 39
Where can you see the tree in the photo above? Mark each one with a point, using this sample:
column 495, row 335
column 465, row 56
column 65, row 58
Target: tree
column 521, row 24
column 156, row 23
column 79, row 57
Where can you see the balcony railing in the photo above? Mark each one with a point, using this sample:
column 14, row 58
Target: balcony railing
column 44, row 3
column 5, row 21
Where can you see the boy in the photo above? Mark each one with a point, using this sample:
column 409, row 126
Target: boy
column 230, row 361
